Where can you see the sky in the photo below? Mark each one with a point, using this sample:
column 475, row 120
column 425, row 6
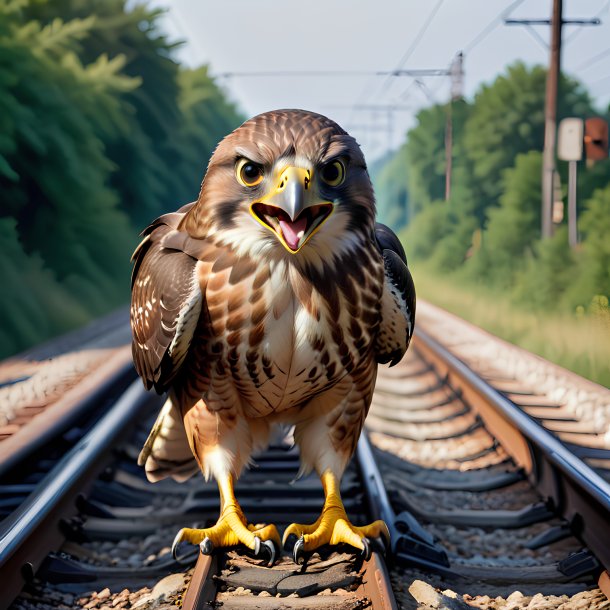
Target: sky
column 361, row 38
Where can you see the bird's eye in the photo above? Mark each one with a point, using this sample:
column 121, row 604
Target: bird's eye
column 249, row 173
column 333, row 173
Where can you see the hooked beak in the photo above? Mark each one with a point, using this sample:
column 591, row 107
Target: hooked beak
column 292, row 209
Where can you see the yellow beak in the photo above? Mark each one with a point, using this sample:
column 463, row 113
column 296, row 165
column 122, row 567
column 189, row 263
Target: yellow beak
column 292, row 209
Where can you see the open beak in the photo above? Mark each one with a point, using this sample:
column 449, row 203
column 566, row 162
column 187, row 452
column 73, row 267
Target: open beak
column 292, row 209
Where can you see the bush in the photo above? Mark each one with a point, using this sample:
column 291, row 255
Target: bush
column 548, row 273
column 427, row 229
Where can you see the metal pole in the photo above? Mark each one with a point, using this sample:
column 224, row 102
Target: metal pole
column 457, row 79
column 550, row 126
column 572, row 218
column 448, row 151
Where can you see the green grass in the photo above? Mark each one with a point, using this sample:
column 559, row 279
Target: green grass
column 580, row 343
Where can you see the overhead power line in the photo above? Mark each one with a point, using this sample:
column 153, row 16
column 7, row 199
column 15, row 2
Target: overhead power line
column 414, row 43
column 492, row 25
column 420, row 72
column 300, row 73
column 415, row 72
column 417, row 39
column 578, row 31
column 367, row 91
column 593, row 60
column 373, row 107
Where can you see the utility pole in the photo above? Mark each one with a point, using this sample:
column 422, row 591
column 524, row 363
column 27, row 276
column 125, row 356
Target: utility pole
column 550, row 121
column 456, row 72
column 550, row 107
column 390, row 116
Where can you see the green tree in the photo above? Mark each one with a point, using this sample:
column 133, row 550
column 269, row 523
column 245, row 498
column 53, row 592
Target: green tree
column 507, row 119
column 55, row 173
column 425, row 151
column 593, row 276
column 513, row 226
column 548, row 273
column 143, row 152
column 100, row 132
column 27, row 283
column 207, row 117
column 392, row 190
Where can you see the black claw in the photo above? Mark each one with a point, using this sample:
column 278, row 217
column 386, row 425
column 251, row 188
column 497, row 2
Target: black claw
column 366, row 551
column 387, row 543
column 268, row 548
column 175, row 544
column 206, row 546
column 298, row 552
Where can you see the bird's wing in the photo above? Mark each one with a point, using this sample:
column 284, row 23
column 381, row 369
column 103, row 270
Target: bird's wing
column 398, row 300
column 166, row 302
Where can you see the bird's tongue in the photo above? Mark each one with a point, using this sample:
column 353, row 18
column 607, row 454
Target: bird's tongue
column 293, row 231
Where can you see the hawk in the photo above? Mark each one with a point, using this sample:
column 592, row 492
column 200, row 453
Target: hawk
column 270, row 300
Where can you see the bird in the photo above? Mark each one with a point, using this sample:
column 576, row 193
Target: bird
column 270, row 301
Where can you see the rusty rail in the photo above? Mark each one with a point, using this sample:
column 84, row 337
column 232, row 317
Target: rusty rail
column 375, row 588
column 33, row 530
column 574, row 490
column 112, row 377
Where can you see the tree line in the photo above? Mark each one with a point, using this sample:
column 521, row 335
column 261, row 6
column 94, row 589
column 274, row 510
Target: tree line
column 488, row 231
column 101, row 130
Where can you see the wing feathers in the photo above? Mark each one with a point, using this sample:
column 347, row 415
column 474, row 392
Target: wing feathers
column 165, row 305
column 398, row 300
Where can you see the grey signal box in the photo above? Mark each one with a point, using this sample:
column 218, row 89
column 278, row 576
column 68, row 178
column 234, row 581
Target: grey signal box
column 570, row 140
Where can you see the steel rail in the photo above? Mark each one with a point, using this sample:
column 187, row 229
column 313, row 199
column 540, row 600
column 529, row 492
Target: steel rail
column 577, row 492
column 33, row 530
column 376, row 586
column 111, row 378
column 410, row 544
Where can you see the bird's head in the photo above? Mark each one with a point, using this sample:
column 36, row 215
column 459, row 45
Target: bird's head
column 288, row 182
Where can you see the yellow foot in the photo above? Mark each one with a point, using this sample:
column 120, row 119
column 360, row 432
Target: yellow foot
column 232, row 529
column 333, row 527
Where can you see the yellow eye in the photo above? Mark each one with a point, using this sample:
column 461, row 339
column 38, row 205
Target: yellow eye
column 249, row 173
column 333, row 173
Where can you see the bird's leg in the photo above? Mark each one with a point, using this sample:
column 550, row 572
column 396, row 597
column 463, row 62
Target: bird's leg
column 231, row 528
column 333, row 526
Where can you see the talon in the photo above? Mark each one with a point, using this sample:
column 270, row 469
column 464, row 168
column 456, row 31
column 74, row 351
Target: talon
column 175, row 544
column 206, row 546
column 333, row 526
column 387, row 540
column 298, row 552
column 268, row 548
column 366, row 549
column 230, row 530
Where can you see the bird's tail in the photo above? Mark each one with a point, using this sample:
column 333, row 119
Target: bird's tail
column 166, row 452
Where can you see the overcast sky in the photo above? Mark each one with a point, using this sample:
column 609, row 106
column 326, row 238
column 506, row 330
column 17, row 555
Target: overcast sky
column 369, row 36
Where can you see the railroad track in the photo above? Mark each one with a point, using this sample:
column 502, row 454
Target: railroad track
column 504, row 505
column 481, row 494
column 116, row 535
column 51, row 394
